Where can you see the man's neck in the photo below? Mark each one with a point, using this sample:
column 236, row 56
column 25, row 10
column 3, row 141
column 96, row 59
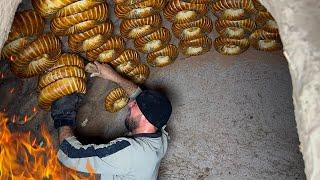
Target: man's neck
column 144, row 130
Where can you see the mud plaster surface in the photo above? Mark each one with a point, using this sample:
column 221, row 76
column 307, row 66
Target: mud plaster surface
column 232, row 116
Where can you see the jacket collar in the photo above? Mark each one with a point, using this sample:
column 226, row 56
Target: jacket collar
column 149, row 135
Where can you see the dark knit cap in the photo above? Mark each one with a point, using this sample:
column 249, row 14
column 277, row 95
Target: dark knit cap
column 155, row 106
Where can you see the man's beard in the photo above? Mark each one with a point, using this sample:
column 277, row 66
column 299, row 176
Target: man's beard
column 131, row 123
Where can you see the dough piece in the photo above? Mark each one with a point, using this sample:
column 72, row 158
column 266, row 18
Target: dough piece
column 116, row 100
column 163, row 57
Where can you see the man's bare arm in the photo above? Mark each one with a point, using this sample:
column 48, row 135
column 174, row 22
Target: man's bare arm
column 64, row 132
column 106, row 72
column 127, row 85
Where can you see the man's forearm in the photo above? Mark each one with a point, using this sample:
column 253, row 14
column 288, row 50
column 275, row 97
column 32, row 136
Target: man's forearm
column 65, row 132
column 107, row 72
column 127, row 85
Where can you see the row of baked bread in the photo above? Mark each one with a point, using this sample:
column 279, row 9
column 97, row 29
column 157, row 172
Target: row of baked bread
column 190, row 25
column 91, row 33
column 141, row 21
column 266, row 37
column 32, row 52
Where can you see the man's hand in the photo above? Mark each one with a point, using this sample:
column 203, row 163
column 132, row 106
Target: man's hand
column 65, row 132
column 64, row 110
column 102, row 70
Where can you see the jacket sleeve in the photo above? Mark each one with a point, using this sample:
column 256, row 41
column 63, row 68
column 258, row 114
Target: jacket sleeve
column 101, row 158
column 135, row 93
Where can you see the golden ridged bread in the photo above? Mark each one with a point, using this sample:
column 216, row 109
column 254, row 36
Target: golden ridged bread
column 163, row 57
column 158, row 4
column 237, row 29
column 60, row 73
column 247, row 24
column 139, row 74
column 122, row 2
column 78, row 7
column 195, row 47
column 233, row 9
column 265, row 41
column 67, row 65
column 198, row 1
column 128, row 12
column 116, row 100
column 177, row 11
column 140, row 9
column 127, row 2
column 14, row 47
column 233, row 4
column 258, row 5
column 48, row 8
column 26, row 23
column 37, row 57
column 136, row 28
column 67, row 59
column 233, row 14
column 26, row 27
column 60, row 88
column 154, row 41
column 79, row 22
column 126, row 62
column 192, row 30
column 65, row 77
column 262, row 17
column 271, row 26
column 108, row 51
column 267, row 22
column 90, row 39
column 228, row 46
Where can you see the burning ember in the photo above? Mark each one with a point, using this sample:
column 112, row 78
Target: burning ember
column 34, row 109
column 13, row 58
column 22, row 157
column 23, row 119
column 12, row 90
column 1, row 75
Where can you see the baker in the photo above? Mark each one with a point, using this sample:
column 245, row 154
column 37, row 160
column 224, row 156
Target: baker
column 136, row 156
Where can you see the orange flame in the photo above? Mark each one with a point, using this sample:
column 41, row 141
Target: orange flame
column 1, row 75
column 90, row 168
column 22, row 158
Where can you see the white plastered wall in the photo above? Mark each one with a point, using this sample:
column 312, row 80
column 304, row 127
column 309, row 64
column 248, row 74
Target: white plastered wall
column 299, row 27
column 7, row 11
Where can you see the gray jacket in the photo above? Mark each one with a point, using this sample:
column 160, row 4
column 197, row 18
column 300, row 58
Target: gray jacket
column 135, row 157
